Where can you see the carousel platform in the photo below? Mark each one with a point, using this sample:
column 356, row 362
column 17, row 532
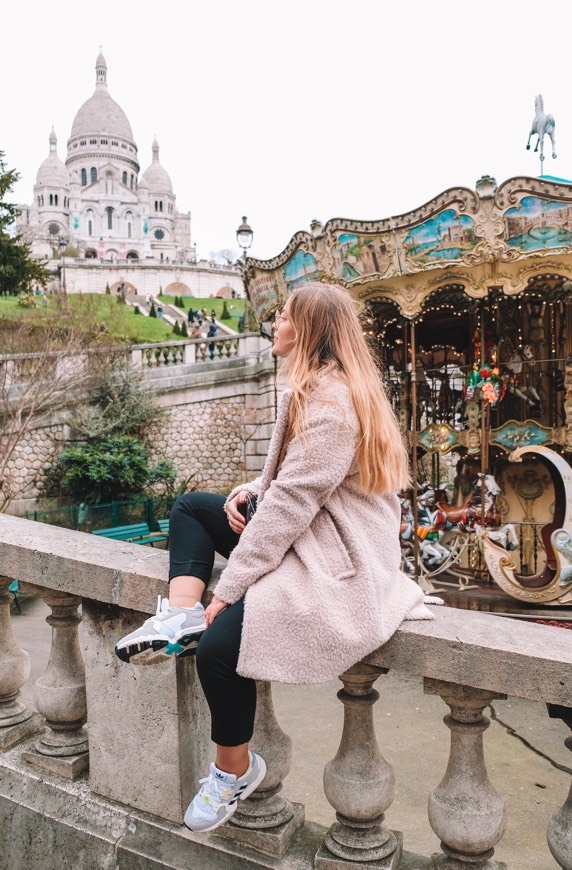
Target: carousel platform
column 487, row 597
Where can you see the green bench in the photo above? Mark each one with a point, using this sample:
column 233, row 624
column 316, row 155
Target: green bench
column 13, row 589
column 136, row 533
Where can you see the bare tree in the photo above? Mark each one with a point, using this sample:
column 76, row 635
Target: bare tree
column 34, row 387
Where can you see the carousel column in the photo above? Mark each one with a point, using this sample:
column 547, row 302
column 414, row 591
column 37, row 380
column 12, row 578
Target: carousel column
column 465, row 811
column 16, row 721
column 360, row 784
column 559, row 833
column 60, row 692
column 568, row 402
column 267, row 820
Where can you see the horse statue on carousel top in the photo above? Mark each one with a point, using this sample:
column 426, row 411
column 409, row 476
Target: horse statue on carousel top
column 542, row 125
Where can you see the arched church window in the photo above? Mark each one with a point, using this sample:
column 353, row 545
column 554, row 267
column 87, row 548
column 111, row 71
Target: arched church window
column 131, row 181
column 89, row 218
column 51, row 199
column 160, row 205
column 109, row 212
column 93, row 173
column 124, row 179
column 55, row 199
column 84, row 177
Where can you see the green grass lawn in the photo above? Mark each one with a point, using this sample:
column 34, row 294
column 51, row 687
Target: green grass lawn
column 121, row 324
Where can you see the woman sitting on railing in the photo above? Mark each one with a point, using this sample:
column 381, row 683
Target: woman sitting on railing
column 313, row 582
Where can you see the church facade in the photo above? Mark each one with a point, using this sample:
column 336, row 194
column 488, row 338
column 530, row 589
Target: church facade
column 119, row 227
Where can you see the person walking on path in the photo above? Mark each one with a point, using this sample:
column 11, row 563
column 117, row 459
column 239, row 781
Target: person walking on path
column 211, row 334
column 313, row 581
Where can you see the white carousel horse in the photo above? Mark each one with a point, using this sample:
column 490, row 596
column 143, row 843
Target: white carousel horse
column 516, row 363
column 506, row 537
column 542, row 125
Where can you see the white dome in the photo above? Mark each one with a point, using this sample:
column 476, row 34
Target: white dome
column 52, row 172
column 155, row 177
column 101, row 114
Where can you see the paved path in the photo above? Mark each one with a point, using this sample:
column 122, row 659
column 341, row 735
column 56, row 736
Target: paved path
column 523, row 749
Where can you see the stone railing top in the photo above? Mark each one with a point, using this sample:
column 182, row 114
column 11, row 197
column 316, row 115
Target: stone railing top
column 129, row 575
column 482, row 650
column 490, row 652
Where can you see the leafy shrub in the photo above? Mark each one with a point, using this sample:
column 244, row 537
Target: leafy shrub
column 113, row 469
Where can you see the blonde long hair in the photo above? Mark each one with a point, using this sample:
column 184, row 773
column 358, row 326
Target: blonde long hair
column 329, row 334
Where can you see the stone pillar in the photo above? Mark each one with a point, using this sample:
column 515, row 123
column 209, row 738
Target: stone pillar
column 559, row 833
column 266, row 820
column 190, row 353
column 360, row 784
column 60, row 693
column 16, row 721
column 465, row 811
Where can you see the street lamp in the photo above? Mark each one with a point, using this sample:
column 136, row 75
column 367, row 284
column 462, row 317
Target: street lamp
column 244, row 236
column 62, row 244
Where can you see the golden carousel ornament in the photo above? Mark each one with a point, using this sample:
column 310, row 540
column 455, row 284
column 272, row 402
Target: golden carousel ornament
column 553, row 584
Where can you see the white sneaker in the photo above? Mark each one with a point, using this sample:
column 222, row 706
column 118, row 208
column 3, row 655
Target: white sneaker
column 173, row 630
column 219, row 794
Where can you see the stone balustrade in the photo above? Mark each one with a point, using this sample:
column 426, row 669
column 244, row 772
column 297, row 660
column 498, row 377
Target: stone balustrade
column 198, row 350
column 18, row 367
column 99, row 802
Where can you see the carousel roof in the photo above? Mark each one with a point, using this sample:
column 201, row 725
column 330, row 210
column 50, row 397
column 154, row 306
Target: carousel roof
column 463, row 243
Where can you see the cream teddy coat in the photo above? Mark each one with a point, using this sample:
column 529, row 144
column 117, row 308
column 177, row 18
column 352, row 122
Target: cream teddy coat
column 319, row 561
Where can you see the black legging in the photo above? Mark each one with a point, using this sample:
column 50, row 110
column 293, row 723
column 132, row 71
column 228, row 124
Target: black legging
column 198, row 528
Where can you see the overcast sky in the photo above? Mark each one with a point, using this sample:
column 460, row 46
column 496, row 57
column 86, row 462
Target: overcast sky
column 288, row 111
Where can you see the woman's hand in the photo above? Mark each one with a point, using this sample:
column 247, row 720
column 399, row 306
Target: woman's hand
column 236, row 520
column 215, row 607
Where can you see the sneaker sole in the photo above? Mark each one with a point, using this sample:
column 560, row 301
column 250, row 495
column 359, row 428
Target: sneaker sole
column 233, row 807
column 146, row 652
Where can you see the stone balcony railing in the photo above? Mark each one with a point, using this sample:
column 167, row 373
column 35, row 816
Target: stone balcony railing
column 103, row 771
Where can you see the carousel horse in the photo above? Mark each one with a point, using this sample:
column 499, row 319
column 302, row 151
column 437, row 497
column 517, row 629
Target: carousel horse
column 553, row 584
column 516, row 363
column 432, row 552
column 542, row 125
column 506, row 537
column 473, row 512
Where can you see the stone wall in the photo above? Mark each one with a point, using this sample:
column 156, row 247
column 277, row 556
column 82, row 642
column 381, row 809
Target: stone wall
column 32, row 457
column 216, row 426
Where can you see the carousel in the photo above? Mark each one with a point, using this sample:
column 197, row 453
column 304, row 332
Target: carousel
column 467, row 301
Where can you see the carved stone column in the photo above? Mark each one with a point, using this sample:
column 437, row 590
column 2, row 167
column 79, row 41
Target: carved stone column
column 16, row 721
column 60, row 693
column 465, row 811
column 360, row 784
column 266, row 820
column 559, row 833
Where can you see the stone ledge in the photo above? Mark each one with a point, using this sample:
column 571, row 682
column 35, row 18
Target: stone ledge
column 484, row 651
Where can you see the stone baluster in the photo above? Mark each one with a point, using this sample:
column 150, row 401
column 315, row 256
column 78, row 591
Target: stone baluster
column 465, row 811
column 360, row 784
column 60, row 692
column 266, row 820
column 16, row 721
column 559, row 833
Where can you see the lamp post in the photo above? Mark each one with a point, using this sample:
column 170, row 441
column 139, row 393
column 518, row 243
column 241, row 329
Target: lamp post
column 62, row 244
column 244, row 236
